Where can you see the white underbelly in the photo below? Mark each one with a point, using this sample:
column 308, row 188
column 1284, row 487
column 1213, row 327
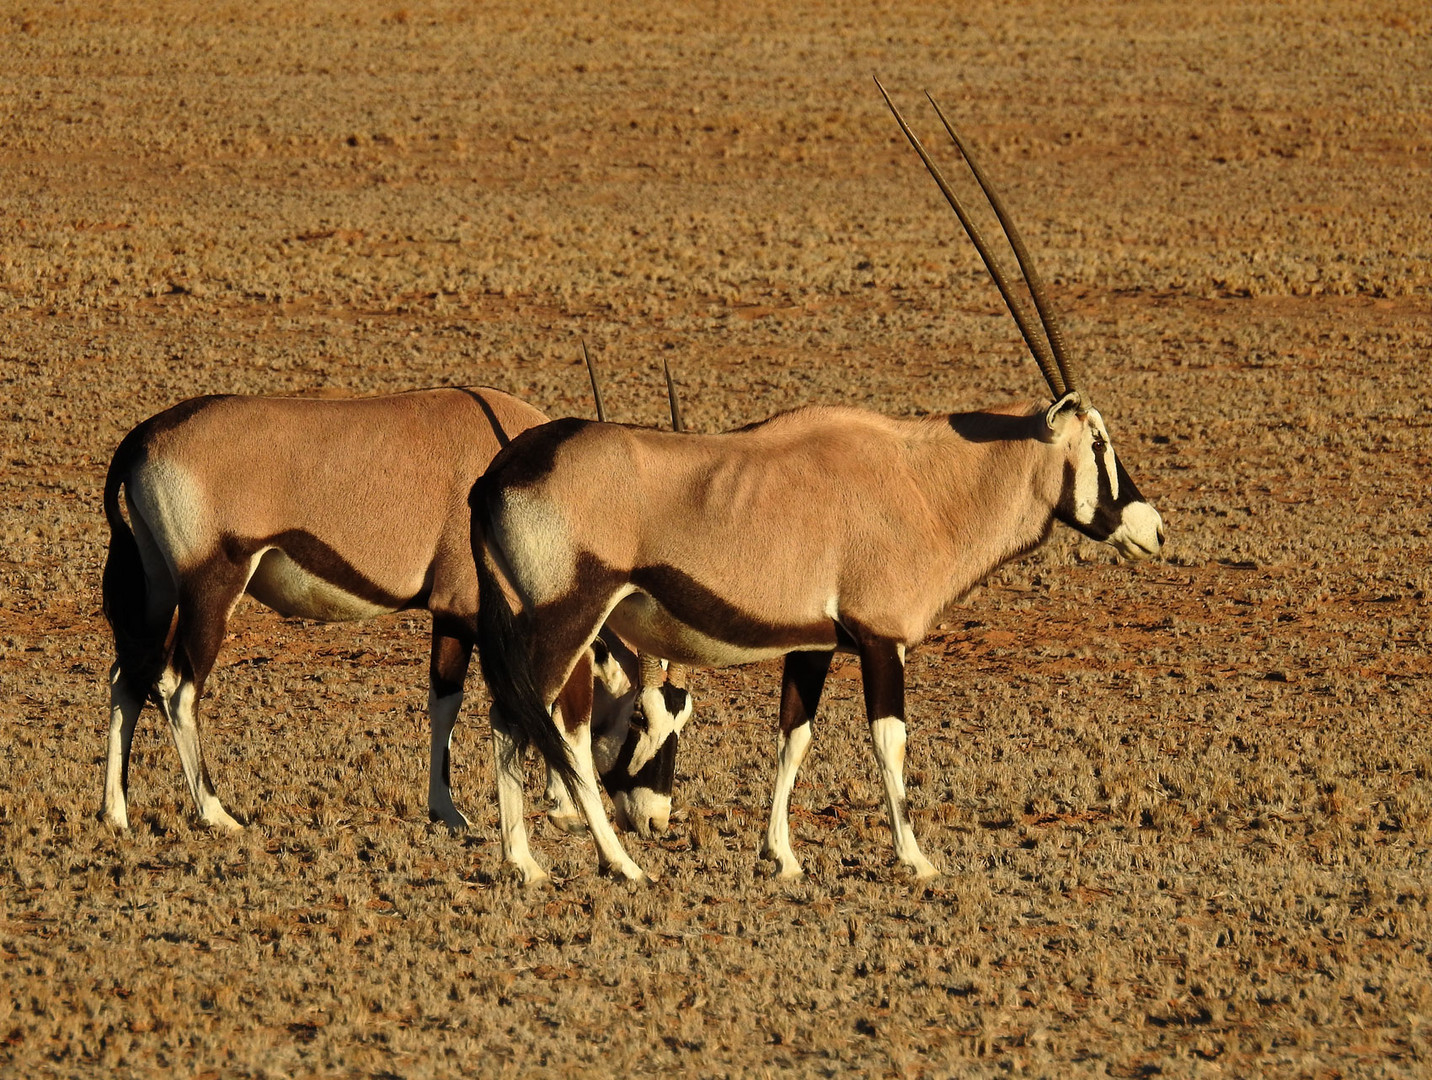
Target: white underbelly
column 280, row 583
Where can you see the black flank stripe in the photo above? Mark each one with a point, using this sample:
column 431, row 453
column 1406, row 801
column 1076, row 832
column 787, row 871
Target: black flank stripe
column 320, row 560
column 697, row 606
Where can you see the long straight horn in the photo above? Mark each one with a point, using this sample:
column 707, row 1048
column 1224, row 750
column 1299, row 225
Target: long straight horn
column 675, row 673
column 1072, row 376
column 676, row 424
column 1042, row 354
column 596, row 387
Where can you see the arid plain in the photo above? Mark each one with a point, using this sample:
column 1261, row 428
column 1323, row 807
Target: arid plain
column 1184, row 807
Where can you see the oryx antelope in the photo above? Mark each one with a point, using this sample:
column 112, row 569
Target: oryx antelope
column 822, row 529
column 328, row 509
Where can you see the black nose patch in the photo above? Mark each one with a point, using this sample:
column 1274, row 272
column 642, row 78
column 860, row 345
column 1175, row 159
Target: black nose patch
column 658, row 774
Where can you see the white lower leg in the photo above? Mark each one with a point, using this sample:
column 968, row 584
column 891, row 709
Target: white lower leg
column 610, row 853
column 777, row 847
column 124, row 709
column 179, row 708
column 888, row 736
column 442, row 718
column 507, row 767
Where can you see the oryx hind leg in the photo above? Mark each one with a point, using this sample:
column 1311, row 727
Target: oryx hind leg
column 563, row 814
column 573, row 715
column 205, row 603
column 882, row 667
column 140, row 598
column 125, row 704
column 802, row 681
column 447, row 673
column 507, row 765
column 612, row 686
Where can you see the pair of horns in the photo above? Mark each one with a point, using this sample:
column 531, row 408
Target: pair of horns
column 676, row 424
column 1059, row 370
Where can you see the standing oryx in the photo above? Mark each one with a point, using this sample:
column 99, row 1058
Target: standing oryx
column 821, row 529
column 323, row 508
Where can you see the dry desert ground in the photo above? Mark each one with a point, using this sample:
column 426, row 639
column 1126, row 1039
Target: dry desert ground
column 1184, row 807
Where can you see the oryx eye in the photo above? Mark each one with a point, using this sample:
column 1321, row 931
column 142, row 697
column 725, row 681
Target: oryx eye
column 1099, row 445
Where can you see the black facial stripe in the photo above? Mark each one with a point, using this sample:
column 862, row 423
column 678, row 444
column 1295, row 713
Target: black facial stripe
column 1110, row 513
column 317, row 558
column 618, row 777
column 600, row 652
column 665, row 762
column 1106, row 484
column 1106, row 513
column 674, row 698
column 657, row 775
column 1108, row 510
column 1128, row 490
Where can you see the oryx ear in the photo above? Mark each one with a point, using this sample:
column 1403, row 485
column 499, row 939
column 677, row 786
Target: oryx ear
column 1072, row 400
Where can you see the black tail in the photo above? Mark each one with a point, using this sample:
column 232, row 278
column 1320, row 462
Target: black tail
column 505, row 654
column 125, row 589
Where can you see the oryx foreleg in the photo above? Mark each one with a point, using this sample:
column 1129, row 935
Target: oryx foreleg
column 447, row 672
column 882, row 669
column 802, row 681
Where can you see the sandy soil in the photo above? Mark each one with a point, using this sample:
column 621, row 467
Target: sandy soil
column 1185, row 808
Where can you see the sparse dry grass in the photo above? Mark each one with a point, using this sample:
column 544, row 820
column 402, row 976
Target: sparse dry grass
column 1183, row 807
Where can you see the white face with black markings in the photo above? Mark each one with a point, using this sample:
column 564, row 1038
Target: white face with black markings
column 635, row 749
column 1099, row 498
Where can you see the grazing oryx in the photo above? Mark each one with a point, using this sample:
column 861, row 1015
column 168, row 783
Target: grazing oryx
column 821, row 529
column 634, row 750
column 322, row 508
column 634, row 747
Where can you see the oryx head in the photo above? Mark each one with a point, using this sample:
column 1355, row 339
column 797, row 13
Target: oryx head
column 644, row 773
column 1098, row 497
